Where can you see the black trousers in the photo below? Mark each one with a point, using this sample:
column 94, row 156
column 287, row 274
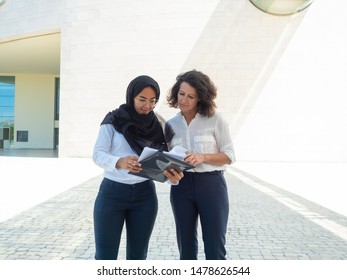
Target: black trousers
column 205, row 195
column 116, row 204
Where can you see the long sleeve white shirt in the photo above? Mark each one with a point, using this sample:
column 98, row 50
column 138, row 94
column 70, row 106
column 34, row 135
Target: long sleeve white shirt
column 203, row 136
column 110, row 146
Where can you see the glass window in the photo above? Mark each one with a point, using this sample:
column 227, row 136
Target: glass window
column 56, row 113
column 7, row 93
column 57, row 99
column 281, row 7
column 6, row 100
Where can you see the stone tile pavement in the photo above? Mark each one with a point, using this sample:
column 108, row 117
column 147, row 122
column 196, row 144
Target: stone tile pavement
column 266, row 223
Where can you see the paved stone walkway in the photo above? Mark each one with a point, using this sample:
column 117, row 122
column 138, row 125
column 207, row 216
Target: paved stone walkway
column 265, row 222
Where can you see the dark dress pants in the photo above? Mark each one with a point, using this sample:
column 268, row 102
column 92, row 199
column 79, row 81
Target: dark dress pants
column 116, row 203
column 205, row 195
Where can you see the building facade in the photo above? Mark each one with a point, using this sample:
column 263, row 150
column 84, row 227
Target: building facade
column 281, row 79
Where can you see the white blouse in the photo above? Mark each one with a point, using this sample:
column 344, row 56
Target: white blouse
column 204, row 135
column 110, row 146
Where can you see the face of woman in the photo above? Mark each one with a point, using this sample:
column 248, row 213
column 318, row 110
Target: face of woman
column 145, row 101
column 187, row 99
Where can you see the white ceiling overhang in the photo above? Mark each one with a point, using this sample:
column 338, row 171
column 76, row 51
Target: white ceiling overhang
column 36, row 54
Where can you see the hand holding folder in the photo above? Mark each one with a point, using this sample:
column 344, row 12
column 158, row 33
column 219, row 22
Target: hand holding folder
column 154, row 162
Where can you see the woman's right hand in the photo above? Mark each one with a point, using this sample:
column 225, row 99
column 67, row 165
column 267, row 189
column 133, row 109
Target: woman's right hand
column 173, row 176
column 129, row 163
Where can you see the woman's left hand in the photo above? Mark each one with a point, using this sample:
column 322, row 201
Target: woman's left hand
column 173, row 175
column 194, row 159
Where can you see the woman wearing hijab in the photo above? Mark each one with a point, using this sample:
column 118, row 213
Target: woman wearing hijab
column 123, row 197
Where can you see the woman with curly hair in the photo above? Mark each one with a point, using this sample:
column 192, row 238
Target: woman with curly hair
column 202, row 192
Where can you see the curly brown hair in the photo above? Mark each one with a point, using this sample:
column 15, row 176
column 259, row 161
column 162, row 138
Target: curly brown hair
column 205, row 88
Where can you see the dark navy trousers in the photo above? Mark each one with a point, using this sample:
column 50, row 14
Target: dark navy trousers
column 201, row 195
column 136, row 206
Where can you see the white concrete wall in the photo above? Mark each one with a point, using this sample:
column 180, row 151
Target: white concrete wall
column 294, row 109
column 34, row 110
column 21, row 18
column 280, row 79
column 106, row 44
